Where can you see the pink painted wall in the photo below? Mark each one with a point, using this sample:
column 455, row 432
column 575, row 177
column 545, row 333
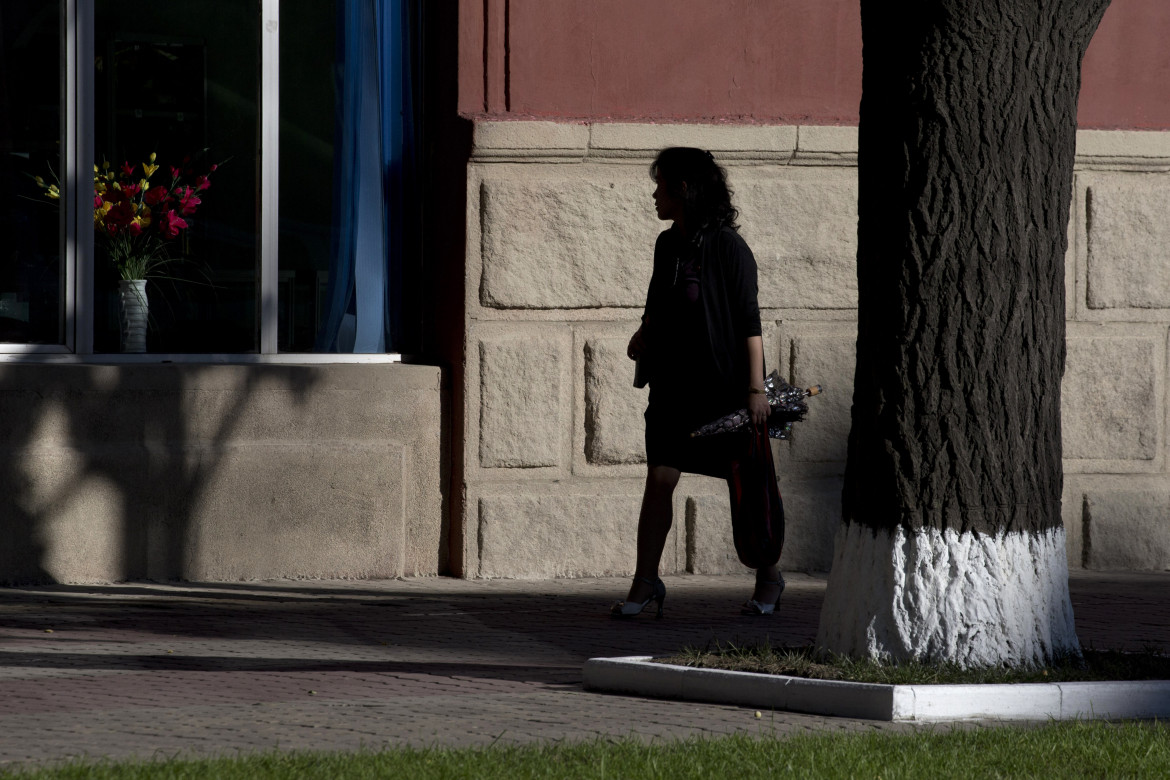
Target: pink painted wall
column 1125, row 81
column 789, row 61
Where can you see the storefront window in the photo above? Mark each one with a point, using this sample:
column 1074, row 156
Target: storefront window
column 291, row 120
column 180, row 80
column 31, row 271
column 307, row 116
column 348, row 173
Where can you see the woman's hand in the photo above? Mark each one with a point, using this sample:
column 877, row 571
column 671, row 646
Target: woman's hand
column 758, row 408
column 637, row 345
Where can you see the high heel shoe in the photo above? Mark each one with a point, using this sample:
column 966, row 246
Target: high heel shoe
column 627, row 609
column 753, row 607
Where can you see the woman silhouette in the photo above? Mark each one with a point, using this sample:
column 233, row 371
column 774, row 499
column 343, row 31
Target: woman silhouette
column 700, row 347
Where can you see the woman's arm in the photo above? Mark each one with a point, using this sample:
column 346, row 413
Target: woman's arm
column 757, row 402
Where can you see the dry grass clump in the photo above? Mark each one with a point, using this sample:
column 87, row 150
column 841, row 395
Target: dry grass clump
column 807, row 661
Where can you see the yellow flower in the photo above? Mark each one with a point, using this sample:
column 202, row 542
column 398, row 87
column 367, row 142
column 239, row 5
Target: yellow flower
column 152, row 156
column 53, row 192
column 149, row 169
column 95, row 168
column 40, row 181
column 143, row 184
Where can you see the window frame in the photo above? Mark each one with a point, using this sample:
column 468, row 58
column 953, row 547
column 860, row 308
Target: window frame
column 76, row 231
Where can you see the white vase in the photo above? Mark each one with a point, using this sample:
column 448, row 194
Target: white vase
column 135, row 313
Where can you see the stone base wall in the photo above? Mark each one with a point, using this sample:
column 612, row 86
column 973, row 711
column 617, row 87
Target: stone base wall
column 222, row 472
column 560, row 230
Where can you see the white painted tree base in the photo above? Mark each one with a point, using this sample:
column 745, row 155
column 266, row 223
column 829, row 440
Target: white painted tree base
column 970, row 599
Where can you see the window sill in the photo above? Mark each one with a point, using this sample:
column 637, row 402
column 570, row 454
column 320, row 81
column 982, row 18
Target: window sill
column 297, row 358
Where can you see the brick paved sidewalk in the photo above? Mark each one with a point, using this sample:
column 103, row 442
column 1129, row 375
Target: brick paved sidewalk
column 157, row 670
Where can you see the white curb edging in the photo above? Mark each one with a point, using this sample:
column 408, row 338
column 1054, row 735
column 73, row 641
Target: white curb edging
column 873, row 701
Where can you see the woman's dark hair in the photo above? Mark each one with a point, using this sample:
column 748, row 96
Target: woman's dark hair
column 707, row 200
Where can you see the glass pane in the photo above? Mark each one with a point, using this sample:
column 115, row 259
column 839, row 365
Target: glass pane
column 31, row 275
column 180, row 80
column 307, row 72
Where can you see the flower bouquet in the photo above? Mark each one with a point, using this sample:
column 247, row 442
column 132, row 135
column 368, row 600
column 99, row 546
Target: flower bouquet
column 136, row 220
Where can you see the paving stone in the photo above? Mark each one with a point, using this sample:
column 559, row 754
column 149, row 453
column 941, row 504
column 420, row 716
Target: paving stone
column 153, row 670
column 1128, row 529
column 1128, row 242
column 803, row 232
column 710, row 541
column 1110, row 399
column 614, row 425
column 537, row 536
column 812, row 515
column 828, row 360
column 521, row 388
column 555, row 241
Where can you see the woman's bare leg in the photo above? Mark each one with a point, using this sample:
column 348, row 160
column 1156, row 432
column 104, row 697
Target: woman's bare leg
column 654, row 523
column 766, row 593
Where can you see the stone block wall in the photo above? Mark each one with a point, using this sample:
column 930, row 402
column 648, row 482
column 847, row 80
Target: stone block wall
column 220, row 472
column 561, row 227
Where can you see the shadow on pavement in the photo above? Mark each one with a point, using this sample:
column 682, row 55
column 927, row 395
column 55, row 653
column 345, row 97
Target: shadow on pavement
column 497, row 629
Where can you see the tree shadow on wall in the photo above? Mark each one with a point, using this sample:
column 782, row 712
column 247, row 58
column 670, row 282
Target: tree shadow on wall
column 103, row 467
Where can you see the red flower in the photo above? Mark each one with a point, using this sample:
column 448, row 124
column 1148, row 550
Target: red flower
column 97, row 201
column 120, row 215
column 127, row 169
column 187, row 201
column 202, row 182
column 135, row 228
column 175, row 172
column 131, row 189
column 169, row 224
column 155, row 195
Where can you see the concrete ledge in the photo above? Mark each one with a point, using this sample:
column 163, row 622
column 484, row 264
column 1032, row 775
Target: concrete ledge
column 576, row 141
column 776, row 142
column 495, row 140
column 220, row 472
column 826, row 145
column 1030, row 701
column 1123, row 144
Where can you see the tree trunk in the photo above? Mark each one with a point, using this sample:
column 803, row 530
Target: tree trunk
column 952, row 546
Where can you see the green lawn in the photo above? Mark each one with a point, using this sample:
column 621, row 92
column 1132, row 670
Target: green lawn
column 1097, row 750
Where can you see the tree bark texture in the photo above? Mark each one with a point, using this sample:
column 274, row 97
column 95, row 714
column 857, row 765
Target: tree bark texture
column 967, row 144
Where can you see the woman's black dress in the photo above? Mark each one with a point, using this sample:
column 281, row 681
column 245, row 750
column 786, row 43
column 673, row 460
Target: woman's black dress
column 700, row 310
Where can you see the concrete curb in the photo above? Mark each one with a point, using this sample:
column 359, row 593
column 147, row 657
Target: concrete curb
column 871, row 701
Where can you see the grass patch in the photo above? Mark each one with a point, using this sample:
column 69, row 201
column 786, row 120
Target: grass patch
column 808, row 662
column 1076, row 749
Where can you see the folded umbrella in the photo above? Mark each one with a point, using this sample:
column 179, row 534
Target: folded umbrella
column 788, row 406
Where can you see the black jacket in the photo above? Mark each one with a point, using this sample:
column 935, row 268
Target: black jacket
column 715, row 371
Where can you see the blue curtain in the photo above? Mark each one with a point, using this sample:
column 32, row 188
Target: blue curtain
column 372, row 169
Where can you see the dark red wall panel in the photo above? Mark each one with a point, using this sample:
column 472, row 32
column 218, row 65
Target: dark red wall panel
column 1125, row 81
column 790, row 61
